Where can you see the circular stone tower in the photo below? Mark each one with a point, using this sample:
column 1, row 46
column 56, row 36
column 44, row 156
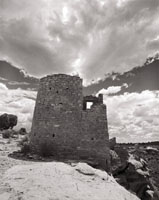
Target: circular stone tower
column 57, row 115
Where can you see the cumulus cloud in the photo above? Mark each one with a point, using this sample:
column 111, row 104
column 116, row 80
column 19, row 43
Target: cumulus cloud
column 3, row 87
column 18, row 102
column 110, row 90
column 134, row 117
column 91, row 37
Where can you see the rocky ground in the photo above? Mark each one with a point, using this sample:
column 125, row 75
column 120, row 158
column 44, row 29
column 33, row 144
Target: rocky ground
column 61, row 181
column 150, row 153
column 136, row 168
column 38, row 180
column 7, row 146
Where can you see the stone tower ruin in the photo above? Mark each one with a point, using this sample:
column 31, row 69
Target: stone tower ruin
column 63, row 122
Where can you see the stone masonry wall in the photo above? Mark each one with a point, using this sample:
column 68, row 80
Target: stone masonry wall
column 60, row 122
column 94, row 143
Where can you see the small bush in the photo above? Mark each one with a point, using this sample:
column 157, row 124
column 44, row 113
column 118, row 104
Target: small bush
column 6, row 134
column 24, row 139
column 45, row 150
column 14, row 132
column 24, row 144
column 25, row 148
column 22, row 131
column 122, row 153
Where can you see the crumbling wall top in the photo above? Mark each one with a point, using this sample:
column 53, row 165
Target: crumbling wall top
column 92, row 99
column 60, row 76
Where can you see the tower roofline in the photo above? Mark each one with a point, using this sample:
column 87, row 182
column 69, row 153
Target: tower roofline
column 60, row 76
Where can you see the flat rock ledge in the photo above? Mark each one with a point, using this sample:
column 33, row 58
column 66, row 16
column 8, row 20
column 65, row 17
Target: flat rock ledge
column 60, row 181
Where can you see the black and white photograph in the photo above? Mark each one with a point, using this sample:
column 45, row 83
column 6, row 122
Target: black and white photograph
column 79, row 99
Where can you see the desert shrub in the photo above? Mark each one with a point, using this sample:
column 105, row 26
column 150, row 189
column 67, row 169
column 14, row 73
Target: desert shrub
column 22, row 131
column 6, row 134
column 14, row 132
column 24, row 139
column 25, row 148
column 122, row 153
column 24, row 144
column 45, row 149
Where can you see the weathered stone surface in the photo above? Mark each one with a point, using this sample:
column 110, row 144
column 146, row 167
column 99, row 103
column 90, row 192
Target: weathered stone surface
column 60, row 181
column 63, row 125
column 133, row 174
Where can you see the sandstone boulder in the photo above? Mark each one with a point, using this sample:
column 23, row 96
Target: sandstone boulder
column 7, row 121
column 134, row 176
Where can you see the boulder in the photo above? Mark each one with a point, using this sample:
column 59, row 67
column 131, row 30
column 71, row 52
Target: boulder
column 134, row 176
column 7, row 121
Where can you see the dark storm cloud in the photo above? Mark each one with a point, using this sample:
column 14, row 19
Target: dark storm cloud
column 91, row 37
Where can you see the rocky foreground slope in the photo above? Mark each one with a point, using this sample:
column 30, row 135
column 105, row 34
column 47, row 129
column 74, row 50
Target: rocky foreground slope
column 28, row 177
column 136, row 168
column 60, row 181
column 24, row 179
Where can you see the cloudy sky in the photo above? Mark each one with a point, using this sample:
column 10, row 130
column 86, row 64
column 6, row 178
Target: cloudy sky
column 134, row 117
column 88, row 37
column 78, row 36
